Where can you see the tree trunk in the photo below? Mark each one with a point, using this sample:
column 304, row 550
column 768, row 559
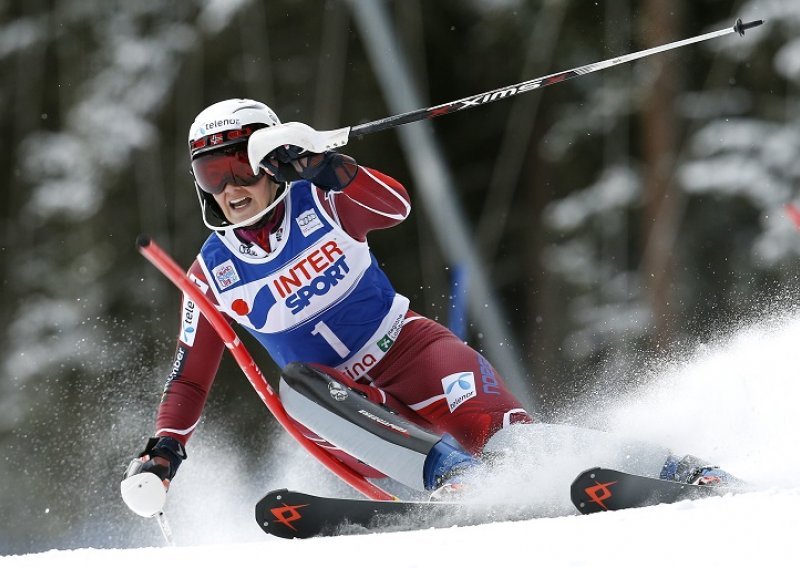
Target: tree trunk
column 660, row 128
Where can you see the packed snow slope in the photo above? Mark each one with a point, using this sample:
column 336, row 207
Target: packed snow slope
column 732, row 401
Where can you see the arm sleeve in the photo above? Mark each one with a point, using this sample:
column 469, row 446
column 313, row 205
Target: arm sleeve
column 194, row 367
column 372, row 200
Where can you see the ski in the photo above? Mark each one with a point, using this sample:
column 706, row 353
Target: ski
column 291, row 514
column 600, row 489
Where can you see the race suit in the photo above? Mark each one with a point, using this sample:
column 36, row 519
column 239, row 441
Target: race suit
column 306, row 286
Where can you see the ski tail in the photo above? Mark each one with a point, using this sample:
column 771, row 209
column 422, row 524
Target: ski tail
column 292, row 514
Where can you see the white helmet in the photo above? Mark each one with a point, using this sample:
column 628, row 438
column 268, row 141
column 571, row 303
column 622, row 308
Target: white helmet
column 224, row 117
column 218, row 126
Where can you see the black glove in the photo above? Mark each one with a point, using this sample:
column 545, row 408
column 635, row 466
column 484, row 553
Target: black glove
column 330, row 171
column 171, row 453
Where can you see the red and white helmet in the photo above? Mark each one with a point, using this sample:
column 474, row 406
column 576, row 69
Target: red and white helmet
column 228, row 122
column 219, row 126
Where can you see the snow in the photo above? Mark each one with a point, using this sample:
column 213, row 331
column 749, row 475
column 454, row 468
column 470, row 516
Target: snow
column 732, row 400
column 755, row 529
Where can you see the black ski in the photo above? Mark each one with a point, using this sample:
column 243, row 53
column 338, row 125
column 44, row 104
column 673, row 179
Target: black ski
column 601, row 489
column 291, row 514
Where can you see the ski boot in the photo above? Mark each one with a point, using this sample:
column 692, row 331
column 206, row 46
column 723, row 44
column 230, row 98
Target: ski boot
column 447, row 468
column 694, row 471
column 454, row 486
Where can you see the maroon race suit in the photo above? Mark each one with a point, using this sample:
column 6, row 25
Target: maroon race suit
column 408, row 379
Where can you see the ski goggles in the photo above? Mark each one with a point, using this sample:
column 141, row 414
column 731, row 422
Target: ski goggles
column 212, row 172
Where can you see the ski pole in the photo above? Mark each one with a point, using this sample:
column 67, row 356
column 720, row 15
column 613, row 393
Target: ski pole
column 265, row 140
column 532, row 84
column 166, row 530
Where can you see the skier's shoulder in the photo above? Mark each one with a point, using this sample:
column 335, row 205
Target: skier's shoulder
column 198, row 276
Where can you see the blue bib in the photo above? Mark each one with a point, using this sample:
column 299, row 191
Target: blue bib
column 318, row 297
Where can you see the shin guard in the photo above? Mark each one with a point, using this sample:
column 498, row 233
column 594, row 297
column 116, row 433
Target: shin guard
column 365, row 430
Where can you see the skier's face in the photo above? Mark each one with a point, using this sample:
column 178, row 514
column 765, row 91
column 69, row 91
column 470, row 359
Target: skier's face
column 241, row 202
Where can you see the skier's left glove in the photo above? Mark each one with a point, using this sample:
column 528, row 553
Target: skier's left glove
column 161, row 456
column 145, row 483
column 330, row 171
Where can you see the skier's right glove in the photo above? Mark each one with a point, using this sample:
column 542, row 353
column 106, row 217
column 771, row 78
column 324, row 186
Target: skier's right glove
column 329, row 171
column 144, row 486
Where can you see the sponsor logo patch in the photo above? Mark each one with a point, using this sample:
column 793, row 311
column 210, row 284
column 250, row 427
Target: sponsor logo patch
column 226, row 275
column 189, row 314
column 287, row 514
column 458, row 388
column 388, row 340
column 308, row 222
column 247, row 249
column 177, row 368
column 337, row 391
column 385, row 423
column 360, row 367
column 488, row 377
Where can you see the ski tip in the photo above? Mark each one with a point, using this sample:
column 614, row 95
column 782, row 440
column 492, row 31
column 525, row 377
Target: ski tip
column 740, row 27
column 142, row 241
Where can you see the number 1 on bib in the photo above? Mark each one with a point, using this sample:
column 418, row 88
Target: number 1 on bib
column 327, row 334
